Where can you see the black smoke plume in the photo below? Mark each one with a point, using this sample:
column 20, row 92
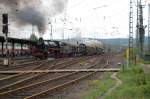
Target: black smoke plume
column 32, row 16
column 29, row 11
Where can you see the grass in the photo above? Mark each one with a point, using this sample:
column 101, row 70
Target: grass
column 98, row 87
column 146, row 62
column 136, row 85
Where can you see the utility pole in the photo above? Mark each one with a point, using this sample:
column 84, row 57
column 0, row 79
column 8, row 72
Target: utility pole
column 131, row 56
column 140, row 30
column 64, row 23
column 51, row 30
column 148, row 28
column 51, row 34
column 137, row 23
column 5, row 31
column 32, row 29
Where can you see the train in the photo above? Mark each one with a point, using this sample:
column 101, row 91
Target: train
column 58, row 49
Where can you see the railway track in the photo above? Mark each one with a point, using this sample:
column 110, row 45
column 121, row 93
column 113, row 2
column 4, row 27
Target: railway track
column 18, row 61
column 20, row 78
column 62, row 63
column 52, row 65
column 1, row 63
column 33, row 65
column 11, row 67
column 54, row 83
column 27, row 65
column 8, row 79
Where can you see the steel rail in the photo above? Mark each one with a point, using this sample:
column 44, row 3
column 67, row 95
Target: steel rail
column 20, row 76
column 43, row 93
column 16, row 90
column 24, row 64
column 26, row 79
column 60, row 71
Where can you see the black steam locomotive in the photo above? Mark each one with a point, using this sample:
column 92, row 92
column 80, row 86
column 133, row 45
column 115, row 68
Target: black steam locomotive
column 57, row 49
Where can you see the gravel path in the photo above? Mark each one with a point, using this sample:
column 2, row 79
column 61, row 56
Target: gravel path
column 146, row 68
column 118, row 83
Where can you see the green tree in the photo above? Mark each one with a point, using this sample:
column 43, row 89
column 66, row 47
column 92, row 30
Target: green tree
column 33, row 37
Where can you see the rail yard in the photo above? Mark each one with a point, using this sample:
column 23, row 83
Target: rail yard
column 74, row 49
column 42, row 84
column 47, row 66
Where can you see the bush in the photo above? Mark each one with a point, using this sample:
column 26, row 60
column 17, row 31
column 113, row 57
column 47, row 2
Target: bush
column 137, row 69
column 139, row 79
column 136, row 85
column 146, row 89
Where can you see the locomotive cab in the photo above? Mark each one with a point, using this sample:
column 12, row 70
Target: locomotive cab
column 53, row 48
column 40, row 50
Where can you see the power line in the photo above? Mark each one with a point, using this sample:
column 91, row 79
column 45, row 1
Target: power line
column 78, row 4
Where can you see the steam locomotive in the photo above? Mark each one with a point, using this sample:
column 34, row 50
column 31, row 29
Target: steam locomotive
column 56, row 49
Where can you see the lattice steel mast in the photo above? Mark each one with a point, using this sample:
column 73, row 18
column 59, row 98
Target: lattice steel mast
column 140, row 30
column 131, row 42
column 149, row 28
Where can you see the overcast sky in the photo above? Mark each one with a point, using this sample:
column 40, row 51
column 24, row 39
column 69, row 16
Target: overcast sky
column 88, row 18
column 95, row 19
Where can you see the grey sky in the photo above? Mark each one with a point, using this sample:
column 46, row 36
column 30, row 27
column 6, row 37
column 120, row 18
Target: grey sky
column 85, row 18
column 96, row 19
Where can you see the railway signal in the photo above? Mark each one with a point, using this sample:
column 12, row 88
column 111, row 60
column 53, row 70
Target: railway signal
column 5, row 23
column 5, row 29
column 5, row 18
